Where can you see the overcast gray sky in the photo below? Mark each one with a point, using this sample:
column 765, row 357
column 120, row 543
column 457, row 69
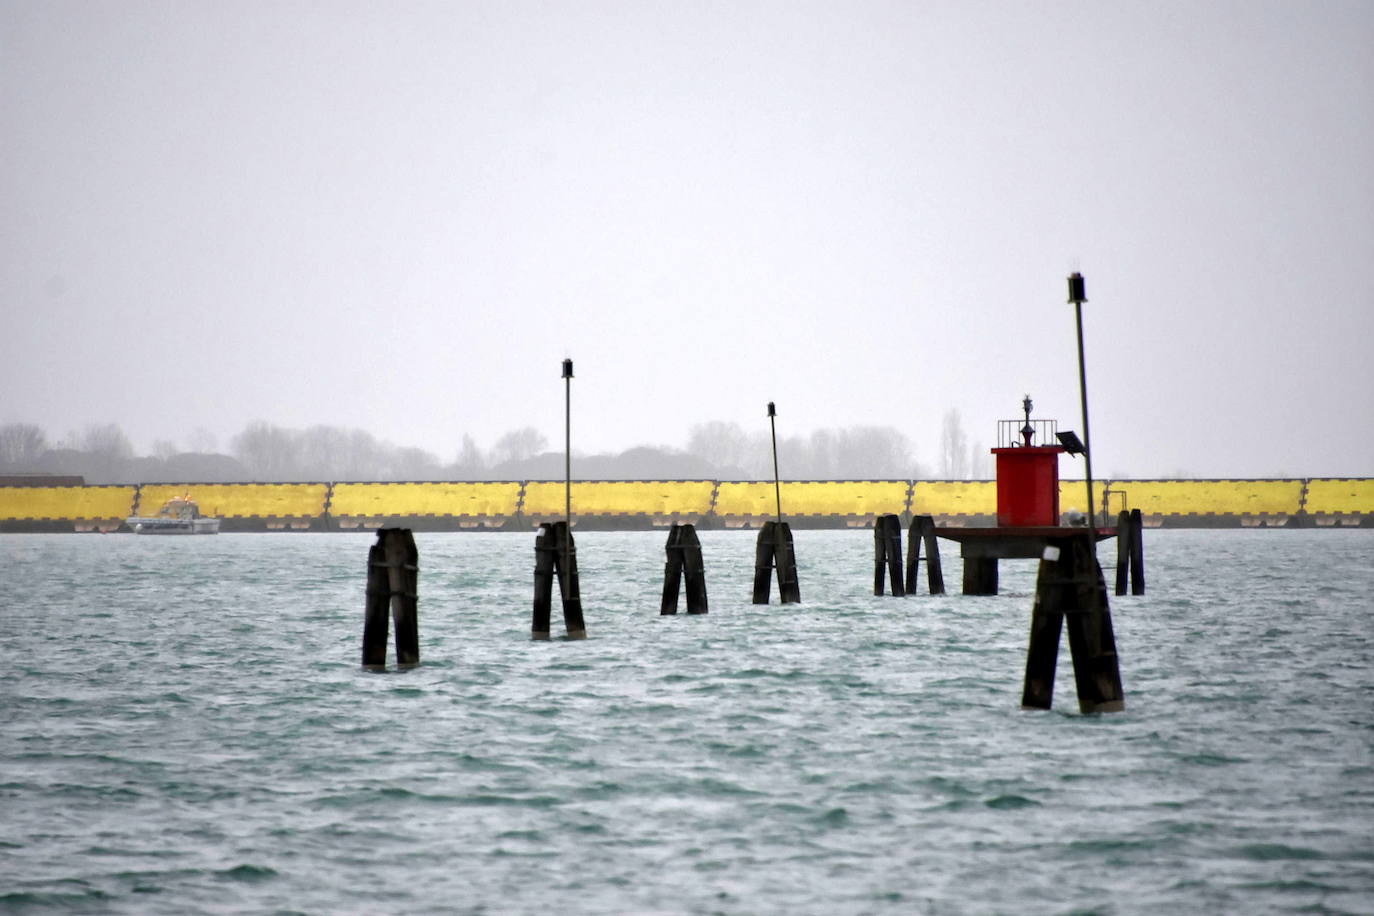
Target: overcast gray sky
column 402, row 216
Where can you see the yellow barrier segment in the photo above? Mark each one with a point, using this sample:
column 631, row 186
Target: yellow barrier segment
column 681, row 497
column 1212, row 497
column 1073, row 494
column 240, row 500
column 483, row 499
column 954, row 497
column 812, row 497
column 66, row 503
column 1333, row 496
column 545, row 498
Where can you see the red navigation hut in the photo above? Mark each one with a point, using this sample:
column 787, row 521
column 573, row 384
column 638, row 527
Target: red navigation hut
column 1027, row 474
column 1027, row 501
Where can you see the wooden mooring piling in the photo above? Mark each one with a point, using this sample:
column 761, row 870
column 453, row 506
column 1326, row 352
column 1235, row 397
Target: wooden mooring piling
column 684, row 562
column 393, row 564
column 1130, row 552
column 887, row 554
column 1070, row 588
column 922, row 536
column 556, row 555
column 774, row 551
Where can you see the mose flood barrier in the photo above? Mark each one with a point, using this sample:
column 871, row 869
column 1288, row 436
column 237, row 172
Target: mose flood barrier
column 660, row 504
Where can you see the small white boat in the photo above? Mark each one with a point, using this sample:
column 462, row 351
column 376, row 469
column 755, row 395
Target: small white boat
column 179, row 515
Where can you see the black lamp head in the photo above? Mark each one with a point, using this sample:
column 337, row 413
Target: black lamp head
column 567, row 368
column 1078, row 292
column 772, row 411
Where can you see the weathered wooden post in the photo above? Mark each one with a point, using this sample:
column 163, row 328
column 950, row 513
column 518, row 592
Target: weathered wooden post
column 887, row 554
column 393, row 565
column 554, row 551
column 763, row 563
column 923, row 533
column 1070, row 584
column 567, row 472
column 1123, row 550
column 774, row 551
column 1130, row 552
column 1137, row 552
column 684, row 558
column 556, row 555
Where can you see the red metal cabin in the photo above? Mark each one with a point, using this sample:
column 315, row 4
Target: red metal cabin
column 1027, row 473
column 1028, row 485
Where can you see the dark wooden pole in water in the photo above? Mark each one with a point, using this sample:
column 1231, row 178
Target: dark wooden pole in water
column 684, row 560
column 1130, row 552
column 922, row 533
column 672, row 572
column 694, row 569
column 392, row 592
column 569, row 584
column 544, row 550
column 1137, row 552
column 763, row 563
column 1070, row 590
column 556, row 555
column 567, row 459
column 1078, row 295
column 887, row 554
column 1047, row 623
column 789, row 590
column 935, row 573
column 1123, row 549
column 775, row 551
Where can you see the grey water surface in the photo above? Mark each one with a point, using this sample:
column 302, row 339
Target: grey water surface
column 185, row 727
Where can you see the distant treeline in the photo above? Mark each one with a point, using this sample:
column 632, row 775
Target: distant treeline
column 263, row 451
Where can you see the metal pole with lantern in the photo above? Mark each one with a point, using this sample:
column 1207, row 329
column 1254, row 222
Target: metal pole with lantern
column 567, row 463
column 773, row 428
column 1078, row 295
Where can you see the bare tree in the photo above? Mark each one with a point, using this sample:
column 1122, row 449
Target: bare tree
column 953, row 447
column 823, row 458
column 268, row 452
column 367, row 458
column 414, row 464
column 519, row 444
column 733, row 451
column 471, row 463
column 874, row 453
column 979, row 462
column 107, row 452
column 22, row 445
column 325, row 452
column 106, row 440
column 202, row 441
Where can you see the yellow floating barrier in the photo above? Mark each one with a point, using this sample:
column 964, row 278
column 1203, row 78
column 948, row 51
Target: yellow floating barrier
column 66, row 503
column 855, row 501
column 486, row 504
column 1340, row 496
column 953, row 499
column 241, row 500
column 1073, row 494
column 1271, row 499
column 490, row 501
column 658, row 498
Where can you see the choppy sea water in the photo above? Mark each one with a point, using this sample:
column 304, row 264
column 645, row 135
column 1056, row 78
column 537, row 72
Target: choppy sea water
column 185, row 727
